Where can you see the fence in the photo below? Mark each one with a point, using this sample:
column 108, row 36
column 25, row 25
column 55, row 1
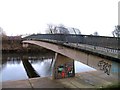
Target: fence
column 102, row 41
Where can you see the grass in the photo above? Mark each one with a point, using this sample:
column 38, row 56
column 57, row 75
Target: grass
column 110, row 87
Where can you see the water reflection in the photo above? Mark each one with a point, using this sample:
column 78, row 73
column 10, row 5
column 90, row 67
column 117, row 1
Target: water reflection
column 13, row 68
column 31, row 72
column 13, row 71
column 43, row 67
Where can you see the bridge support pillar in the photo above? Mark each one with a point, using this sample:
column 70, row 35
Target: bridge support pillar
column 63, row 67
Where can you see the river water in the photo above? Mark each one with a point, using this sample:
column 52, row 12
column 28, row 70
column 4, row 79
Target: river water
column 13, row 68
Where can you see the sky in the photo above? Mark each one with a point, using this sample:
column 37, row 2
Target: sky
column 32, row 16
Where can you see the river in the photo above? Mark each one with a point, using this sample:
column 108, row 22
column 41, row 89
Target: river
column 13, row 68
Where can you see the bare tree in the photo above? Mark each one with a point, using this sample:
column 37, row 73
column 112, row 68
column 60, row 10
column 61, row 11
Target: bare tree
column 51, row 29
column 2, row 33
column 62, row 29
column 76, row 31
column 57, row 29
column 116, row 32
column 95, row 34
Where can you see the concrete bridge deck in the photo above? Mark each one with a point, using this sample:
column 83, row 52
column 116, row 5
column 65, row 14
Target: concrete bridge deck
column 92, row 79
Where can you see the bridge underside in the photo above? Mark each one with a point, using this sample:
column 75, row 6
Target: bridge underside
column 108, row 66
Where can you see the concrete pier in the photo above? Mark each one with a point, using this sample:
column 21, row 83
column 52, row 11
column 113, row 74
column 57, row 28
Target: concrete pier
column 92, row 79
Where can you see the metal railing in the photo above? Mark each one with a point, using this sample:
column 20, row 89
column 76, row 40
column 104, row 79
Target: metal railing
column 101, row 41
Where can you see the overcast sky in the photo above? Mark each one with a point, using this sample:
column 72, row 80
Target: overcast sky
column 32, row 16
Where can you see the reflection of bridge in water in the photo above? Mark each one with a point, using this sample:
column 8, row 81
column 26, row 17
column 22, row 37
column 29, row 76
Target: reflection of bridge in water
column 98, row 52
column 27, row 61
column 31, row 72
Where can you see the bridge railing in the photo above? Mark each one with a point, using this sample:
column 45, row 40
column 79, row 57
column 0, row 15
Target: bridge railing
column 102, row 41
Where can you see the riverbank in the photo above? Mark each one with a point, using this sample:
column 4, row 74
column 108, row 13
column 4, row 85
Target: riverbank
column 13, row 44
column 92, row 79
column 25, row 50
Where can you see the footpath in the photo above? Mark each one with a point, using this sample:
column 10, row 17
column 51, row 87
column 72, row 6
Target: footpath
column 92, row 79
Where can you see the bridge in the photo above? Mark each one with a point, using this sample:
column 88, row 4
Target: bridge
column 99, row 52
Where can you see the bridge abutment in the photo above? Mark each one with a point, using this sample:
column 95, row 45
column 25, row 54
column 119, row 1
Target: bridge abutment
column 63, row 67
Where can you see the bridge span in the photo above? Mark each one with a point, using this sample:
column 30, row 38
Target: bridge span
column 98, row 57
